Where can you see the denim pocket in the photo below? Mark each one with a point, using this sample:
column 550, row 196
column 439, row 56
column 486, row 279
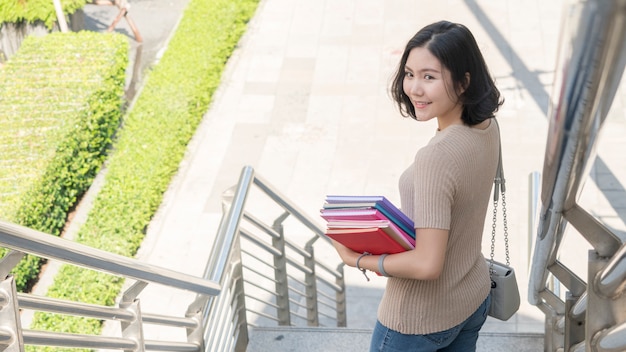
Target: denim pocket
column 442, row 337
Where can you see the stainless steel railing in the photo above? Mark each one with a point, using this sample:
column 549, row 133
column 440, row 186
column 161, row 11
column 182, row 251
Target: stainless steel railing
column 592, row 59
column 24, row 240
column 263, row 269
column 302, row 288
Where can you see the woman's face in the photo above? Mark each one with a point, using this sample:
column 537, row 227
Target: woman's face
column 429, row 87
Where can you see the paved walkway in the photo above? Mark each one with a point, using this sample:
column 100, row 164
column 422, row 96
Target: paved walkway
column 304, row 101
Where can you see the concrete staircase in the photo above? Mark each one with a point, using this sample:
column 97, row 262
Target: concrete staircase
column 285, row 339
column 522, row 333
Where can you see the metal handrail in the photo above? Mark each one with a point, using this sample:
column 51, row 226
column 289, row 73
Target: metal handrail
column 215, row 321
column 27, row 240
column 593, row 57
column 24, row 240
column 227, row 251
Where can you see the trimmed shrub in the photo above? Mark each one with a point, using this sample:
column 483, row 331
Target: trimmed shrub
column 60, row 104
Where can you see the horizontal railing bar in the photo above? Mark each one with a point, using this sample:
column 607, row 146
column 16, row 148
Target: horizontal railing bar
column 612, row 339
column 603, row 240
column 328, row 269
column 171, row 346
column 260, row 225
column 55, row 305
column 325, row 295
column 256, row 240
column 178, row 322
column 260, row 274
column 262, row 301
column 297, row 303
column 580, row 307
column 298, row 266
column 611, row 280
column 256, row 258
column 330, row 284
column 553, row 301
column 261, row 287
column 568, row 278
column 299, row 250
column 296, row 291
column 52, row 247
column 325, row 304
column 46, row 338
column 264, row 315
column 295, row 314
column 294, row 280
column 327, row 315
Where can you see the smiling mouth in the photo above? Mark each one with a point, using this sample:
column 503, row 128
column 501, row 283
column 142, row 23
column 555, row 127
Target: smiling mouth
column 420, row 104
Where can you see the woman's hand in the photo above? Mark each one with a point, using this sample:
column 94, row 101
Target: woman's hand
column 348, row 256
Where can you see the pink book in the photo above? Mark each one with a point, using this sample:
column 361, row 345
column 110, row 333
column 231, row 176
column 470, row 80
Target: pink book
column 367, row 214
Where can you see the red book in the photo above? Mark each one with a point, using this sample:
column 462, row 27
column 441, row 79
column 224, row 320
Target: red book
column 389, row 227
column 372, row 239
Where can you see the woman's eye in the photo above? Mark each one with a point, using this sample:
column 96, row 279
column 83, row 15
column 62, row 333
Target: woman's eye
column 408, row 74
column 429, row 77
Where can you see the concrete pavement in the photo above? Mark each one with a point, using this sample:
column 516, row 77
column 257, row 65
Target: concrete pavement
column 304, row 101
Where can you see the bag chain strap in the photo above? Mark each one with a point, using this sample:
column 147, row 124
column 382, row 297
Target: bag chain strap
column 499, row 185
column 506, row 229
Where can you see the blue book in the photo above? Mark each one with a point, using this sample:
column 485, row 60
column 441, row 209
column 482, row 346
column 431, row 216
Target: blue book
column 380, row 203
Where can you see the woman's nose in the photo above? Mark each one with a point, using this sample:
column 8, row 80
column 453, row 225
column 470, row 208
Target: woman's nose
column 415, row 87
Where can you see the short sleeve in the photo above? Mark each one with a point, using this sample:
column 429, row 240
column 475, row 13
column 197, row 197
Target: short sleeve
column 434, row 185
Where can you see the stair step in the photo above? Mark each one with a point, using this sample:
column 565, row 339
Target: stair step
column 286, row 339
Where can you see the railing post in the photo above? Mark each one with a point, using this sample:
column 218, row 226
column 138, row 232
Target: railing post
column 553, row 340
column 134, row 329
column 280, row 273
column 603, row 312
column 195, row 312
column 342, row 320
column 310, row 282
column 574, row 324
column 239, row 302
column 10, row 326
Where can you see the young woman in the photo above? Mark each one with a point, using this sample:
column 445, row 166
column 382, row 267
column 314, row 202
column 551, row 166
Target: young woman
column 437, row 295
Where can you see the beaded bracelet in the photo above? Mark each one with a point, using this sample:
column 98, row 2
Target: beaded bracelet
column 358, row 267
column 381, row 268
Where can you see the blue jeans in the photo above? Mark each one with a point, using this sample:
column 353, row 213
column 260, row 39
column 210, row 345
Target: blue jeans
column 461, row 338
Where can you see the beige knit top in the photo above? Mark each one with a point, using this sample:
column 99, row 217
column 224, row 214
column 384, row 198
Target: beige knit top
column 447, row 187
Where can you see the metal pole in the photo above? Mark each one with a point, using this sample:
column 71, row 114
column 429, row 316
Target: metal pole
column 58, row 8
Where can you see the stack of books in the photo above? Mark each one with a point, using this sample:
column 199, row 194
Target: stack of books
column 368, row 224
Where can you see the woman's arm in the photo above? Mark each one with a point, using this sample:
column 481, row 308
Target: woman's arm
column 425, row 262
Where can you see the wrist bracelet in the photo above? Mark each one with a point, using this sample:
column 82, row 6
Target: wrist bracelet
column 381, row 268
column 358, row 267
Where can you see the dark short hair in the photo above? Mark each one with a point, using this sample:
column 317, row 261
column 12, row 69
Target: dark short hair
column 455, row 47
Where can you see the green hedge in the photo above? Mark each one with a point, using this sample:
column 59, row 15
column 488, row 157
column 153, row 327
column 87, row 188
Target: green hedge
column 32, row 11
column 60, row 104
column 150, row 147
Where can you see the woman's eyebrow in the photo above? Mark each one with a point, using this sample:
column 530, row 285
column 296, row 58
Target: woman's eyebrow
column 427, row 69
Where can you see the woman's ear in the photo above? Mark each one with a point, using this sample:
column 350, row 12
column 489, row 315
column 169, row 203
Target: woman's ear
column 465, row 84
